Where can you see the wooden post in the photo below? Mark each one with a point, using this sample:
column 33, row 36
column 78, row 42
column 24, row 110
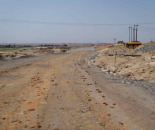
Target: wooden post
column 115, row 58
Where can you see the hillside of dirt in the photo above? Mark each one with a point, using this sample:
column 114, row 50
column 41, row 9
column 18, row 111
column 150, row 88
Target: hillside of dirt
column 138, row 64
column 29, row 52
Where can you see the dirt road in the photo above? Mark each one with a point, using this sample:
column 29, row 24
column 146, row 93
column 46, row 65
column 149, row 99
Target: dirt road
column 62, row 92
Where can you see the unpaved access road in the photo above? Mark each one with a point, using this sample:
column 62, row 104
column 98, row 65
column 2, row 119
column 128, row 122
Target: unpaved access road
column 63, row 92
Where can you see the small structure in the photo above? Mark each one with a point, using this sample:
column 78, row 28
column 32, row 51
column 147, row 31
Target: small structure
column 120, row 42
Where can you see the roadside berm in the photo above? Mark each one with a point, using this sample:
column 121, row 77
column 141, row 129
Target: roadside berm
column 138, row 64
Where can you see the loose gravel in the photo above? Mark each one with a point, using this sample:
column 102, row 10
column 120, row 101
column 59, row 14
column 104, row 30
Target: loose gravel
column 150, row 87
column 146, row 48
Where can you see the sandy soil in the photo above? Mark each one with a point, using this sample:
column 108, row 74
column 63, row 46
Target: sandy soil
column 139, row 68
column 63, row 92
column 27, row 53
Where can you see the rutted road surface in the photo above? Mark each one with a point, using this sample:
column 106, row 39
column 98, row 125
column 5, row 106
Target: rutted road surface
column 62, row 92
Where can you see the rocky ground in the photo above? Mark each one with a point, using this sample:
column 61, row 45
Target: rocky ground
column 147, row 86
column 140, row 67
column 146, row 48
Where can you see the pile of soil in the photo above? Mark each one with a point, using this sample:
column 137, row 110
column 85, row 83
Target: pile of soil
column 140, row 67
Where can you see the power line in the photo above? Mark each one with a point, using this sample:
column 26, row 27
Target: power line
column 54, row 23
column 148, row 31
column 61, row 23
column 148, row 28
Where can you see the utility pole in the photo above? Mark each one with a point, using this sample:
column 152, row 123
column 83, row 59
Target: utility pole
column 136, row 31
column 133, row 34
column 134, row 28
column 115, row 40
column 129, row 33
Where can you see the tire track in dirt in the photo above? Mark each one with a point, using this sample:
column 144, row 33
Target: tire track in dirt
column 69, row 101
column 23, row 110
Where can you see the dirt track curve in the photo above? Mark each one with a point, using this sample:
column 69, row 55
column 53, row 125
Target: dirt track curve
column 62, row 92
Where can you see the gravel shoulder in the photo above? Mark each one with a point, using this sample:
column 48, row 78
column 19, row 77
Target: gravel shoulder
column 147, row 86
column 137, row 64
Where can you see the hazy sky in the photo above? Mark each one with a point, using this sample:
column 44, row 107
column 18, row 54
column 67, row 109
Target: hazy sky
column 29, row 21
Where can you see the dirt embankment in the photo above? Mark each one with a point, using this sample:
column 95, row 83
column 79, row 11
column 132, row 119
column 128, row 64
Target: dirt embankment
column 28, row 52
column 118, row 59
